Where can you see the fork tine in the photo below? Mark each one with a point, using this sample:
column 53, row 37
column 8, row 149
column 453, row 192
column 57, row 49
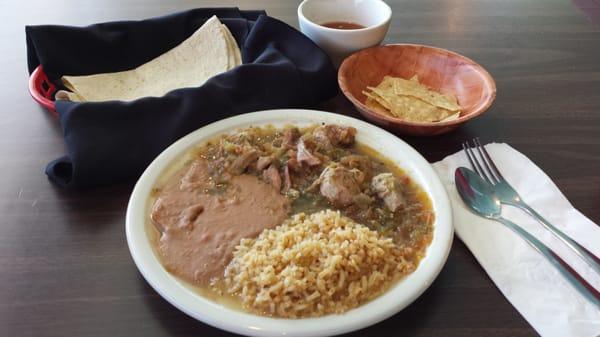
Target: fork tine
column 475, row 162
column 464, row 146
column 490, row 161
column 485, row 159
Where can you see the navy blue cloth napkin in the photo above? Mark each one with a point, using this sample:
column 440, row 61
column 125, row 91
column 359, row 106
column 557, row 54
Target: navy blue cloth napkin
column 114, row 141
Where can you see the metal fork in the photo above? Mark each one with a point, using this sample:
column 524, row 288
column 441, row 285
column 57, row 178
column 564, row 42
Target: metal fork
column 507, row 195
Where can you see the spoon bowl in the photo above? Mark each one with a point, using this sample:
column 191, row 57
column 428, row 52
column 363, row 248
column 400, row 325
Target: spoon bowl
column 477, row 193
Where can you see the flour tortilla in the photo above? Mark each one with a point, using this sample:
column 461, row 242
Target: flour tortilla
column 63, row 95
column 211, row 50
column 235, row 56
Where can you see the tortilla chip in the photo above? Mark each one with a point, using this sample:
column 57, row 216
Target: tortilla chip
column 381, row 96
column 451, row 117
column 415, row 110
column 415, row 103
column 413, row 88
column 375, row 106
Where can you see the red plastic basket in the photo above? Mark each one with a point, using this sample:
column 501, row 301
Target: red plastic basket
column 41, row 89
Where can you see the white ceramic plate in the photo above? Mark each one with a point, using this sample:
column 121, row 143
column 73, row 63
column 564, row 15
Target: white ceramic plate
column 209, row 312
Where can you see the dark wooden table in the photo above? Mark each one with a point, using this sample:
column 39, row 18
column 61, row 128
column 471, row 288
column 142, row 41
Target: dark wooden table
column 65, row 269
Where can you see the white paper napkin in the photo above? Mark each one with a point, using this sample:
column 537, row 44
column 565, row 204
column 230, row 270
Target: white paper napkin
column 544, row 298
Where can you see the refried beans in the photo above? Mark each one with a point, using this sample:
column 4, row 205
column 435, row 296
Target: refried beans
column 200, row 228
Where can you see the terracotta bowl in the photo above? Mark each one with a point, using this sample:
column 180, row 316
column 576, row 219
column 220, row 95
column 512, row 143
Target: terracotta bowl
column 440, row 69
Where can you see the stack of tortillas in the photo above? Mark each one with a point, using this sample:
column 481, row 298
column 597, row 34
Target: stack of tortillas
column 211, row 50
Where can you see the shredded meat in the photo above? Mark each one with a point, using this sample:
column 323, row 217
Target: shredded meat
column 304, row 155
column 386, row 187
column 341, row 135
column 293, row 163
column 359, row 162
column 287, row 180
column 340, row 185
column 290, row 136
column 263, row 162
column 334, row 135
column 321, row 137
column 243, row 161
column 272, row 176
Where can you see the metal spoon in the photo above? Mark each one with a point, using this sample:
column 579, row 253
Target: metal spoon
column 478, row 195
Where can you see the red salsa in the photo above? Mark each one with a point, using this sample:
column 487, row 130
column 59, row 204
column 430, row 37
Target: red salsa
column 342, row 25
